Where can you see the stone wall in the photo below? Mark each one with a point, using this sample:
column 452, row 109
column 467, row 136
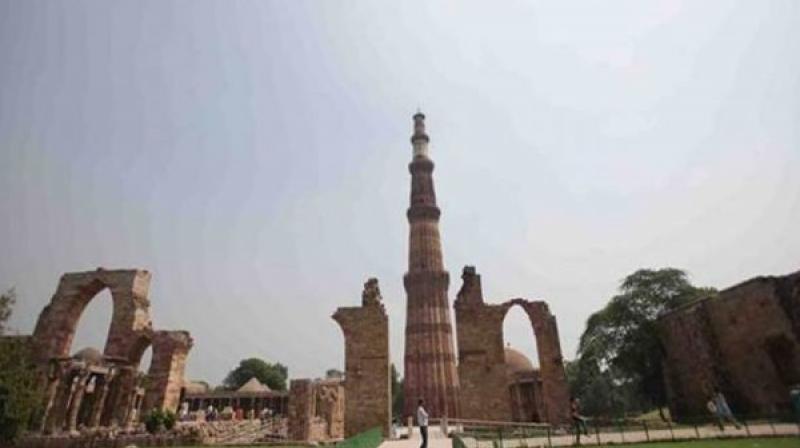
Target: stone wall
column 481, row 368
column 744, row 341
column 481, row 358
column 330, row 407
column 316, row 410
column 367, row 375
column 301, row 409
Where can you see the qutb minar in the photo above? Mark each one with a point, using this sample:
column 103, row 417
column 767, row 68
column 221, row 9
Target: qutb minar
column 430, row 362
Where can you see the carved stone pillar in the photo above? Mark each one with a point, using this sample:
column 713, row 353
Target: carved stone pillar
column 77, row 399
column 100, row 400
column 53, row 379
column 124, row 393
column 55, row 416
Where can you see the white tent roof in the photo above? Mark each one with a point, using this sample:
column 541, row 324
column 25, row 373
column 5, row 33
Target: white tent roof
column 253, row 385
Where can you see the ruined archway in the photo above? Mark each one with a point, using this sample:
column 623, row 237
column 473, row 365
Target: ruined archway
column 94, row 388
column 57, row 323
column 524, row 382
column 160, row 387
column 481, row 354
column 94, row 322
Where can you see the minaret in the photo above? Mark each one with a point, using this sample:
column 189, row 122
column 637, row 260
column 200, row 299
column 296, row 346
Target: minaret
column 430, row 362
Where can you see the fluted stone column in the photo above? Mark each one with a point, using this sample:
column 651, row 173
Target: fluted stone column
column 54, row 421
column 53, row 378
column 100, row 401
column 430, row 363
column 122, row 397
column 77, row 399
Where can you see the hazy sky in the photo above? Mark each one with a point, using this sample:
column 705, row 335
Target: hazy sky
column 253, row 156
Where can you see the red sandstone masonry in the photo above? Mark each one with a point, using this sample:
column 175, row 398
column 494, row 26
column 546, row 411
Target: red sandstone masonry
column 484, row 385
column 746, row 342
column 429, row 359
column 130, row 333
column 367, row 375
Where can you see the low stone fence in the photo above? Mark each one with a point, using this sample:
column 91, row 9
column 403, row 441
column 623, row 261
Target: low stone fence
column 617, row 432
column 242, row 432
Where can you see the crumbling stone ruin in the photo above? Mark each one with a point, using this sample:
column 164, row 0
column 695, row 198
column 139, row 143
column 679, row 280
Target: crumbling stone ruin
column 491, row 387
column 90, row 388
column 745, row 342
column 316, row 410
column 367, row 381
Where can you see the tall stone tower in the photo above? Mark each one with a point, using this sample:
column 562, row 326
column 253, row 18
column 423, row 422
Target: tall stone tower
column 430, row 363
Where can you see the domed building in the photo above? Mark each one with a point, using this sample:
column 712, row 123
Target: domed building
column 524, row 387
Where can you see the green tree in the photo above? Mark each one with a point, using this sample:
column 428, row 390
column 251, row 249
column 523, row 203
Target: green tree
column 620, row 353
column 398, row 397
column 273, row 375
column 7, row 301
column 20, row 398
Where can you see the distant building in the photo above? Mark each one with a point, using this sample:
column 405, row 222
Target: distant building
column 252, row 395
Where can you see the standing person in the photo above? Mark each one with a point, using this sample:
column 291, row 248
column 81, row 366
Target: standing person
column 723, row 411
column 422, row 421
column 211, row 413
column 578, row 420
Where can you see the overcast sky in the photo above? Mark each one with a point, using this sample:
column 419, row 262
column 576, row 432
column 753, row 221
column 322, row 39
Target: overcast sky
column 253, row 156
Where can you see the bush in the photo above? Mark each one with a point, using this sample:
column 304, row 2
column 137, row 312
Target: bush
column 157, row 420
column 169, row 420
column 20, row 394
column 154, row 421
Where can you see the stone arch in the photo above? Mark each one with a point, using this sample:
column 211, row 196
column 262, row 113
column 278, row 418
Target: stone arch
column 555, row 390
column 481, row 354
column 130, row 316
column 66, row 379
column 166, row 372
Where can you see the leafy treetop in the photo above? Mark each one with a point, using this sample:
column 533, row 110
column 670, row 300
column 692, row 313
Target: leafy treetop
column 273, row 375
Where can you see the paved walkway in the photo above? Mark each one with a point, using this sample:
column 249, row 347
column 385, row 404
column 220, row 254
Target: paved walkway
column 437, row 440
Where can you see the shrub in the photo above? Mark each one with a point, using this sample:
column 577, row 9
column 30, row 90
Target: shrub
column 154, row 421
column 20, row 394
column 169, row 420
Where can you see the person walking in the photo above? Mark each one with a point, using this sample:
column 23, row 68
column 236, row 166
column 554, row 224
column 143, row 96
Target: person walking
column 722, row 410
column 422, row 421
column 578, row 420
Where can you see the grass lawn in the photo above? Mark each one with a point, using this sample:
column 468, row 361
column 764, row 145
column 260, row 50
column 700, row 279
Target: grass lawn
column 783, row 442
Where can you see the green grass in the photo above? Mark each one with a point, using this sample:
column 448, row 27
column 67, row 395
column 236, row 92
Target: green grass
column 367, row 439
column 241, row 446
column 782, row 442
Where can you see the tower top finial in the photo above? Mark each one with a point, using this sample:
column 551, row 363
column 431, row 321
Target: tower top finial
column 419, row 128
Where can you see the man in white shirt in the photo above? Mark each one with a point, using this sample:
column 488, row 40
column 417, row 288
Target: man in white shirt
column 422, row 421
